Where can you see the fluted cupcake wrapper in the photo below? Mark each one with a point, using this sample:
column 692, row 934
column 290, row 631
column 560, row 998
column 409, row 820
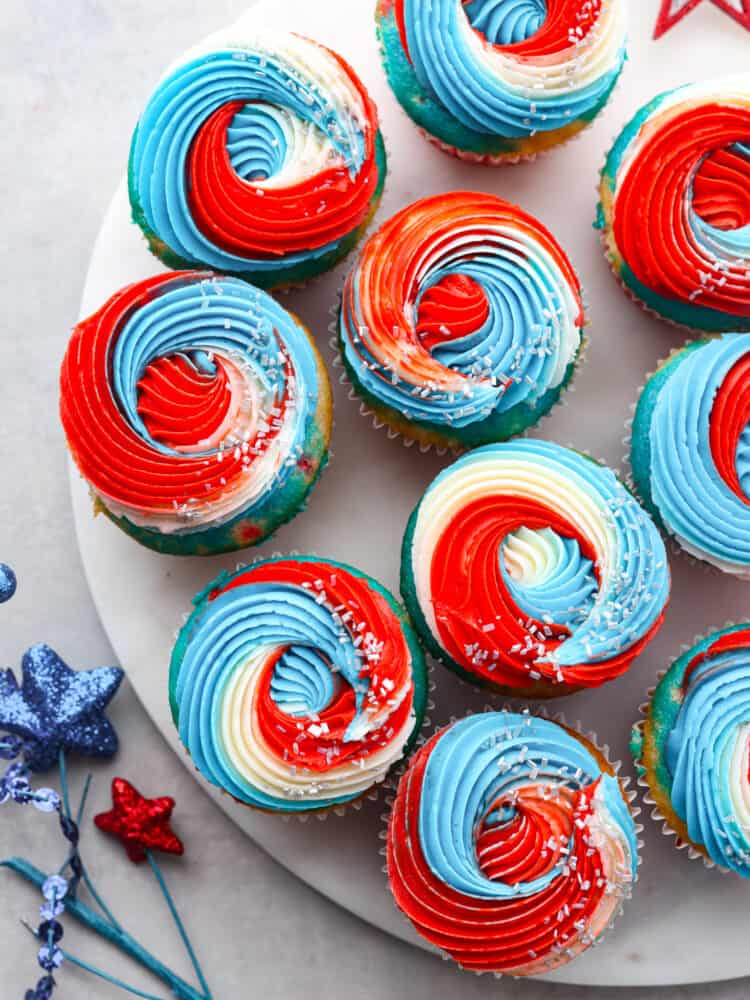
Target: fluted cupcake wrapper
column 629, row 795
column 646, row 794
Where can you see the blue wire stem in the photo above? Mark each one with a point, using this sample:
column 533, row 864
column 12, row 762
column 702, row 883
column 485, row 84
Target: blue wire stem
column 86, row 878
column 180, row 926
column 110, row 979
column 124, row 941
column 64, row 782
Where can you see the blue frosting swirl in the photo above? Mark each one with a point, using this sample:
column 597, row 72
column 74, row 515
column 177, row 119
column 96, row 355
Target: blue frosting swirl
column 344, row 669
column 564, row 592
column 705, row 751
column 483, row 759
column 672, row 460
column 268, row 82
column 473, row 89
column 489, row 378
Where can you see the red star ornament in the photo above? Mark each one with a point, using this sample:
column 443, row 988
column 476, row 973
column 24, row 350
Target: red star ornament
column 673, row 11
column 141, row 824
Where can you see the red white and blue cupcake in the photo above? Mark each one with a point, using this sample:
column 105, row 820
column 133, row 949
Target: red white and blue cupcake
column 530, row 568
column 497, row 81
column 258, row 154
column 297, row 684
column 198, row 410
column 461, row 321
column 511, row 843
column 675, row 205
column 690, row 450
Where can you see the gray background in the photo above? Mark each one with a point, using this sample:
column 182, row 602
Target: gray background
column 73, row 76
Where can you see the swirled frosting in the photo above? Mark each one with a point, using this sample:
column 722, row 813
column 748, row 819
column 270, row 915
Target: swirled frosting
column 197, row 409
column 258, row 153
column 462, row 316
column 675, row 204
column 505, row 68
column 529, row 566
column 296, row 684
column 701, row 714
column 510, row 844
column 691, row 450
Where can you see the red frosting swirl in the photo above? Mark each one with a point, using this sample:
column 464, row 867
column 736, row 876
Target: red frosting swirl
column 520, row 935
column 686, row 153
column 258, row 221
column 386, row 670
column 552, row 37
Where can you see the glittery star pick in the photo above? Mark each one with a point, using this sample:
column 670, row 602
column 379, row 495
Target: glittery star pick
column 56, row 708
column 673, row 11
column 141, row 824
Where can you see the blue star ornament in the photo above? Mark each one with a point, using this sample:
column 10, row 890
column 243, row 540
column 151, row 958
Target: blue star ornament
column 56, row 708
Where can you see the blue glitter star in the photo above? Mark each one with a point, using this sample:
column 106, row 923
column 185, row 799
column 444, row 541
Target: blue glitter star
column 58, row 708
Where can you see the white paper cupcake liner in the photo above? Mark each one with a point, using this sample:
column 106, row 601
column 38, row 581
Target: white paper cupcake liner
column 629, row 795
column 641, row 777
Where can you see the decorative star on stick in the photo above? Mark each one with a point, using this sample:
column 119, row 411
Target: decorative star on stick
column 673, row 11
column 141, row 824
column 56, row 708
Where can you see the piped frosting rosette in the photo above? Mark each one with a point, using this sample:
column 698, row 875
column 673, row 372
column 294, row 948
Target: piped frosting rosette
column 511, row 844
column 690, row 450
column 198, row 411
column 499, row 80
column 258, row 154
column 296, row 684
column 675, row 205
column 529, row 567
column 692, row 749
column 461, row 320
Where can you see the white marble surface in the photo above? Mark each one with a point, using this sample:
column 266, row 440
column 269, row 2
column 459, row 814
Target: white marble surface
column 73, row 77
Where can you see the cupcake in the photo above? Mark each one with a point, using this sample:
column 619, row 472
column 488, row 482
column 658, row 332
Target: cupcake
column 511, row 843
column 198, row 411
column 530, row 568
column 461, row 321
column 495, row 82
column 296, row 684
column 675, row 208
column 258, row 154
column 692, row 749
column 690, row 450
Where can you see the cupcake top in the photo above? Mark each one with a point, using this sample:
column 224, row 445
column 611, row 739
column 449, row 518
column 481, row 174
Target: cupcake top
column 462, row 316
column 512, row 69
column 257, row 153
column 190, row 401
column 530, row 567
column 676, row 206
column 296, row 684
column 695, row 747
column 510, row 844
column 691, row 450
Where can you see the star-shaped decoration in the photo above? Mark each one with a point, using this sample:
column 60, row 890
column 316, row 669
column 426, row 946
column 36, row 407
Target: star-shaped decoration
column 56, row 708
column 141, row 824
column 673, row 11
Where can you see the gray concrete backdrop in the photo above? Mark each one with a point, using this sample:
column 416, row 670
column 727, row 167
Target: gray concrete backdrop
column 73, row 76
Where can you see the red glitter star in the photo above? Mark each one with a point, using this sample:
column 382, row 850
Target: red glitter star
column 673, row 11
column 141, row 824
